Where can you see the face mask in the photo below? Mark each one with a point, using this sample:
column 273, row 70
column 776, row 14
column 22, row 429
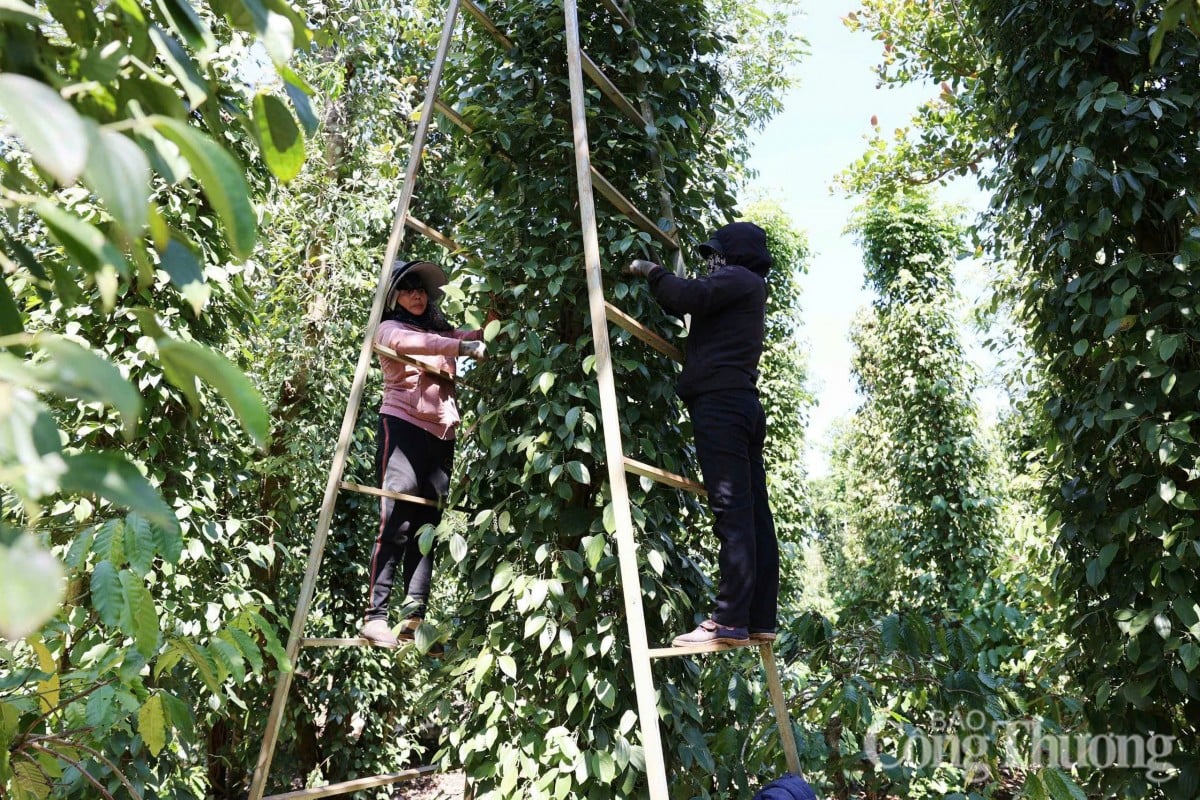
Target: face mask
column 714, row 262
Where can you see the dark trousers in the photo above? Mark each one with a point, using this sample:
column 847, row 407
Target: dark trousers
column 730, row 429
column 413, row 461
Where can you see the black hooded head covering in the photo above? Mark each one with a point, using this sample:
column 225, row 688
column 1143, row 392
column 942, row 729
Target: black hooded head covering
column 742, row 243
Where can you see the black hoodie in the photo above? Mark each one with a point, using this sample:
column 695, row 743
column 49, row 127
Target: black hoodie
column 728, row 308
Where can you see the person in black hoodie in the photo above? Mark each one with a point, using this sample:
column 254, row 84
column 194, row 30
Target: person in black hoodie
column 718, row 386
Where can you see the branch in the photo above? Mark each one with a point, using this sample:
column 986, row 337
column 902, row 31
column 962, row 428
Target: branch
column 62, row 705
column 76, row 764
column 113, row 768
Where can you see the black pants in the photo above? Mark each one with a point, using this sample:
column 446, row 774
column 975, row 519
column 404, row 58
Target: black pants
column 413, row 461
column 730, row 429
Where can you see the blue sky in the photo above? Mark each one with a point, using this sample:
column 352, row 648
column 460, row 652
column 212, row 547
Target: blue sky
column 798, row 155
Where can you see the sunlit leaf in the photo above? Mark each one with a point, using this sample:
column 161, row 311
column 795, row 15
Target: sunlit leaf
column 119, row 172
column 188, row 360
column 75, row 372
column 55, row 134
column 152, row 724
column 278, row 135
column 31, row 587
column 18, row 11
column 186, row 273
column 181, row 66
column 221, row 180
column 112, row 477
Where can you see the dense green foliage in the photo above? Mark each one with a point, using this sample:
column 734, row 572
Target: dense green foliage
column 1089, row 133
column 193, row 579
column 128, row 195
column 923, row 519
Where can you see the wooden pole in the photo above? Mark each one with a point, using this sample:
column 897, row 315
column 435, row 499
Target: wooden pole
column 643, row 679
column 275, row 716
column 783, row 720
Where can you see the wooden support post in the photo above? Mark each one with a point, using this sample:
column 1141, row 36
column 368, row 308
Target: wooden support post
column 341, row 451
column 631, row 587
column 783, row 720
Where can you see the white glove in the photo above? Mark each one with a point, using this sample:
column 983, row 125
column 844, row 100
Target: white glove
column 475, row 350
column 640, row 267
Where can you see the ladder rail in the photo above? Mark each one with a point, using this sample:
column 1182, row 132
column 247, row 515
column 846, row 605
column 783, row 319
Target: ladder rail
column 341, row 451
column 626, row 545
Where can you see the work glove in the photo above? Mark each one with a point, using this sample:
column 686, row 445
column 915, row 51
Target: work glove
column 475, row 350
column 640, row 267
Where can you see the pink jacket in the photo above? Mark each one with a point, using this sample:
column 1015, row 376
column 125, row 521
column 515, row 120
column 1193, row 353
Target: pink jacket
column 425, row 400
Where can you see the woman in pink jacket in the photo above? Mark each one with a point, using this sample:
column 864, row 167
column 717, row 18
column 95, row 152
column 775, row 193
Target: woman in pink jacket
column 415, row 440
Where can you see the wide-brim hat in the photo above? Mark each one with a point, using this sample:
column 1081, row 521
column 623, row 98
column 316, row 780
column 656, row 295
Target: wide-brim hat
column 432, row 277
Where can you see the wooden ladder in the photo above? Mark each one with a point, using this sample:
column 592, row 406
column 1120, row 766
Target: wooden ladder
column 601, row 312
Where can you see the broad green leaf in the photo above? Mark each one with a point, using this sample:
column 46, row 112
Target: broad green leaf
column 107, row 596
column 578, row 472
column 118, row 171
column 278, row 135
column 140, row 544
column 301, row 35
column 31, row 587
column 187, row 360
column 30, row 781
column 181, row 66
column 594, row 550
column 458, row 547
column 17, row 11
column 110, row 476
column 152, row 724
column 187, row 23
column 229, row 658
column 508, row 665
column 248, row 646
column 302, row 105
column 30, row 461
column 221, row 179
column 75, row 372
column 1059, row 786
column 12, row 321
column 168, row 542
column 87, row 246
column 186, row 273
column 277, row 38
column 55, row 134
column 201, row 660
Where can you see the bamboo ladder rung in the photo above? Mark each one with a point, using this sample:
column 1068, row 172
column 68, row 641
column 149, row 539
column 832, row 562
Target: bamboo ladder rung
column 401, row 496
column 619, row 13
column 622, row 204
column 436, row 372
column 610, row 90
column 486, row 21
column 356, row 641
column 662, row 476
column 639, row 331
column 346, row 787
column 430, row 233
column 700, row 649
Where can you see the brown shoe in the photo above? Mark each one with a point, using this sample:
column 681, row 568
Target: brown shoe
column 377, row 632
column 709, row 632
